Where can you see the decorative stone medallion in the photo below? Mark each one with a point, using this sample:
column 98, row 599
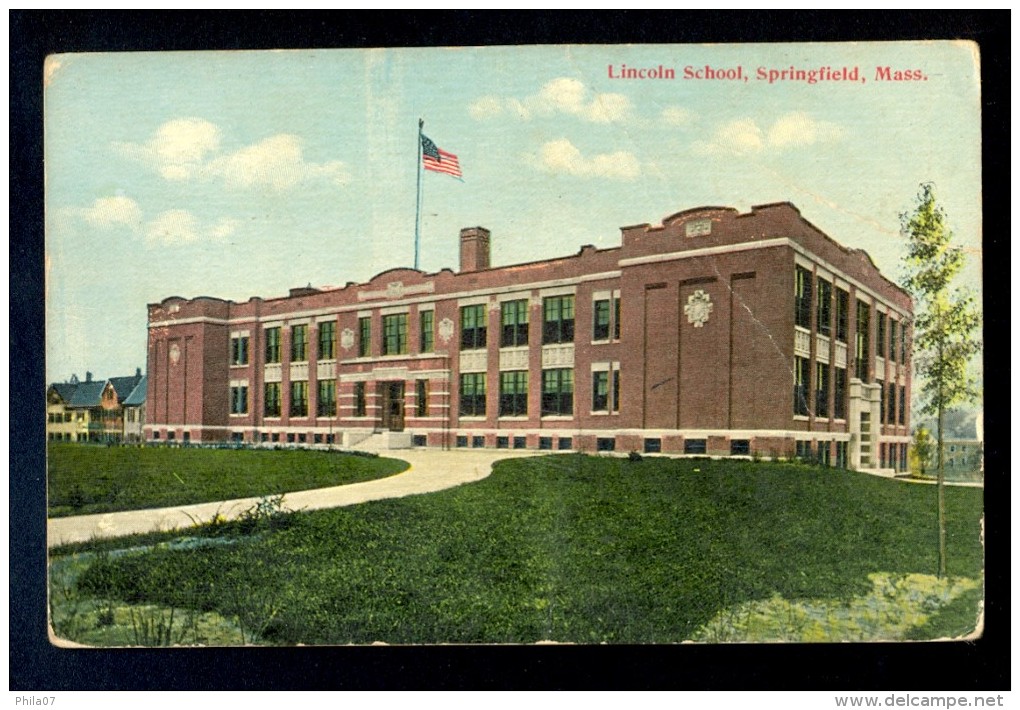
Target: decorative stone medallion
column 175, row 354
column 346, row 338
column 445, row 330
column 698, row 308
column 395, row 289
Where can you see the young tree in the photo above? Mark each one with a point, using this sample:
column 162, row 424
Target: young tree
column 922, row 450
column 945, row 326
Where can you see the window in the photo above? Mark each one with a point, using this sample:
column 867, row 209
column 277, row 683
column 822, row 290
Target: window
column 360, row 406
column 239, row 350
column 558, row 320
column 822, row 390
column 520, row 442
column 605, row 444
column 600, row 391
column 513, row 394
column 557, row 392
column 545, row 443
column 616, row 388
column 841, row 454
column 477, row 442
column 861, row 358
column 800, row 386
column 565, row 443
column 903, row 343
column 327, row 340
column 514, row 321
column 842, row 314
column 880, row 335
column 239, row 399
column 802, row 300
column 601, row 320
column 653, row 446
column 472, row 394
column 272, row 345
column 741, row 447
column 272, row 399
column 695, row 446
column 365, row 336
column 616, row 318
column 839, row 394
column 325, row 403
column 903, row 405
column 419, row 440
column 803, row 449
column 299, row 399
column 299, row 343
column 473, row 327
column 427, row 336
column 395, row 334
column 893, row 327
column 881, row 404
column 462, row 441
column 502, row 442
column 421, row 399
column 824, row 307
column 891, row 405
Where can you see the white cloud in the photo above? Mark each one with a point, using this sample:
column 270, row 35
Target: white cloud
column 562, row 156
column 792, row 130
column 677, row 116
column 563, row 95
column 109, row 211
column 189, row 148
column 172, row 227
column 276, row 162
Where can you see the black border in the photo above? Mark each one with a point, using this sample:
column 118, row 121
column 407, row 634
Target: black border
column 36, row 665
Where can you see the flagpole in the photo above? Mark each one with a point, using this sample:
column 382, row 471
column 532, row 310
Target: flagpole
column 417, row 209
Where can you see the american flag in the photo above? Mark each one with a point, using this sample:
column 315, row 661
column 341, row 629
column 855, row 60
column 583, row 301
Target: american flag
column 438, row 160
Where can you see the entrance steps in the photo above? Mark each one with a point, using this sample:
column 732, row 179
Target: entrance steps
column 377, row 441
column 883, row 472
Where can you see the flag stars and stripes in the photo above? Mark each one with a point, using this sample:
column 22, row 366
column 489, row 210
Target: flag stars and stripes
column 438, row 160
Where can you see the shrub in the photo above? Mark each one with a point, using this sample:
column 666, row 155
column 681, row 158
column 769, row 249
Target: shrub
column 634, row 456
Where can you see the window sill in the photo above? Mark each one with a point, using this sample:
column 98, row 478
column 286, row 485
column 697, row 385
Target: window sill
column 239, row 364
column 557, row 418
column 239, row 415
column 801, row 418
column 327, row 361
column 471, row 419
column 514, row 418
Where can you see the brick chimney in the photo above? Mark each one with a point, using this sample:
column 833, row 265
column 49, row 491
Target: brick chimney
column 474, row 249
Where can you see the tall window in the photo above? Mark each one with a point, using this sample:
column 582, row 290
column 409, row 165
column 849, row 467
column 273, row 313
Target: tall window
column 802, row 300
column 862, row 341
column 472, row 394
column 903, row 343
column 427, row 338
column 822, row 390
column 514, row 322
column 513, row 394
column 842, row 314
column 893, row 328
column 299, row 343
column 239, row 399
column 327, row 340
column 360, row 407
column 882, row 417
column 839, row 394
column 903, row 405
column 616, row 389
column 600, row 391
column 824, row 307
column 239, row 350
column 880, row 335
column 364, row 336
column 272, row 399
column 421, row 399
column 325, row 403
column 395, row 334
column 616, row 318
column 891, row 411
column 601, row 319
column 473, row 327
column 272, row 345
column 299, row 399
column 557, row 392
column 800, row 386
column 558, row 320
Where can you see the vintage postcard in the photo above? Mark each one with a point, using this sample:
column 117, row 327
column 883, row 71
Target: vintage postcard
column 634, row 344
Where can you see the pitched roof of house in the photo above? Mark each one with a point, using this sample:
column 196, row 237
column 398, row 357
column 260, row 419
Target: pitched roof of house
column 65, row 390
column 124, row 386
column 88, row 394
column 137, row 396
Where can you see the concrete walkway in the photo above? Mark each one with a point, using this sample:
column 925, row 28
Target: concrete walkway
column 429, row 471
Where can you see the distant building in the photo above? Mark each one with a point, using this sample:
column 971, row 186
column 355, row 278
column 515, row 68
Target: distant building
column 134, row 412
column 89, row 411
column 961, row 456
column 715, row 333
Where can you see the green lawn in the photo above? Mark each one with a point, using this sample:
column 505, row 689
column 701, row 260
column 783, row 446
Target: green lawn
column 85, row 479
column 567, row 548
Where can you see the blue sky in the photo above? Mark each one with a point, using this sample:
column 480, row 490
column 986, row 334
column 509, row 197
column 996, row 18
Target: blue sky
column 235, row 174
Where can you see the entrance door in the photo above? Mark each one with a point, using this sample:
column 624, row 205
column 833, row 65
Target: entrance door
column 393, row 406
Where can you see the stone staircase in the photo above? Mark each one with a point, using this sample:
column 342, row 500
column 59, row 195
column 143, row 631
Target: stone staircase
column 377, row 441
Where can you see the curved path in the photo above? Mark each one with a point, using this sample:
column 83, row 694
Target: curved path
column 429, row 471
